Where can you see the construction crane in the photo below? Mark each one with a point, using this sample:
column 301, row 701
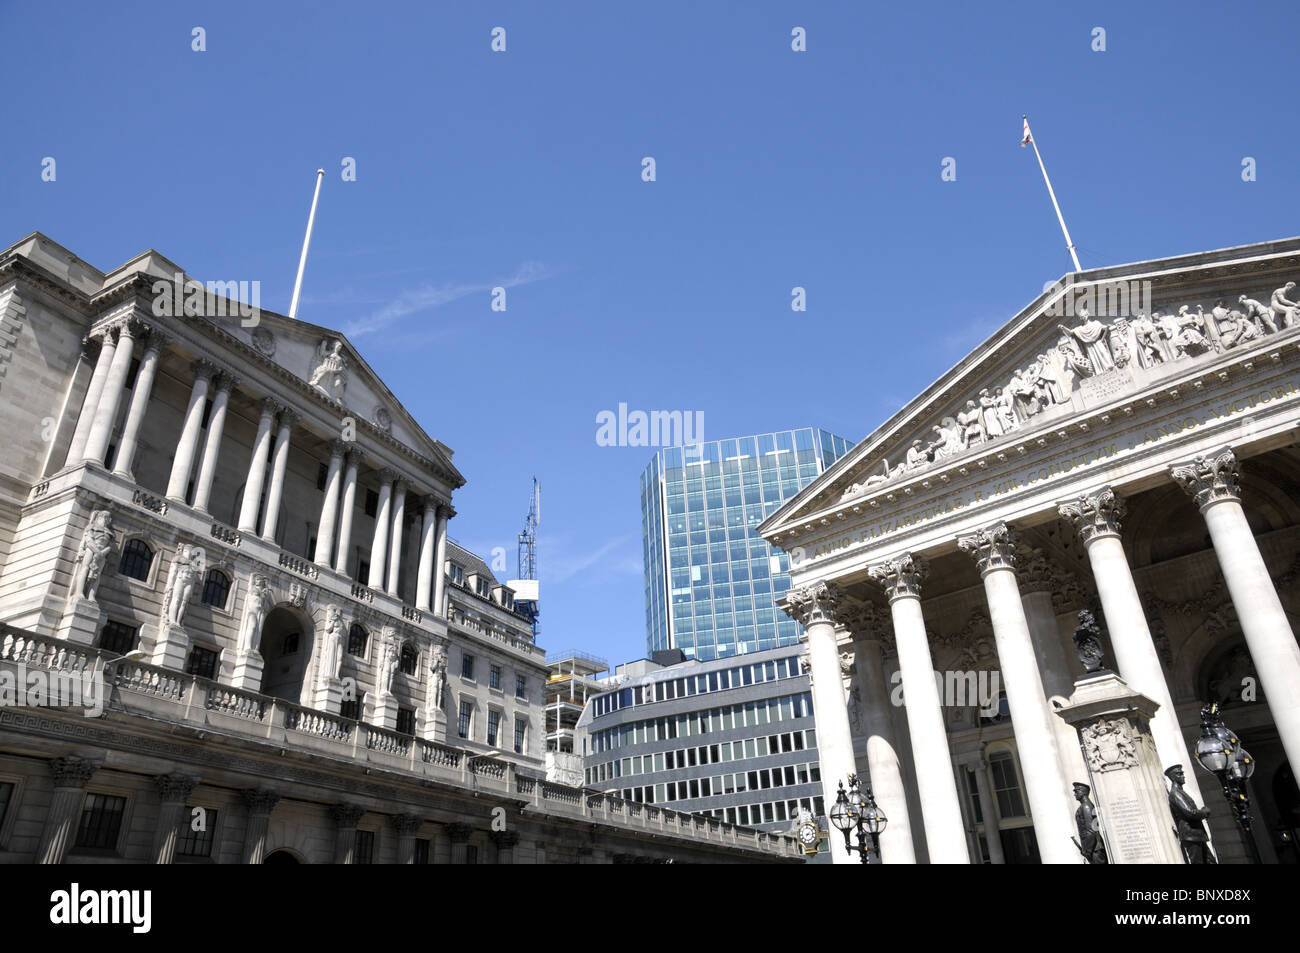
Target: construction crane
column 526, row 586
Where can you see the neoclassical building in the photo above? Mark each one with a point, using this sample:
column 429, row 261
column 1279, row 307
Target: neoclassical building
column 1125, row 444
column 228, row 520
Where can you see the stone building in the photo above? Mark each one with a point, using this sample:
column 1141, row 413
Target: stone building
column 1126, row 444
column 224, row 519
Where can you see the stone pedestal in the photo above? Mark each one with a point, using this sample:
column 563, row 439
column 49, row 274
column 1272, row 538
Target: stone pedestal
column 171, row 645
column 81, row 621
column 328, row 696
column 385, row 714
column 435, row 726
column 248, row 672
column 1114, row 727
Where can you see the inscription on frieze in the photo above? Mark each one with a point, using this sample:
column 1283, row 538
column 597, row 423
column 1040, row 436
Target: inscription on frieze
column 1099, row 389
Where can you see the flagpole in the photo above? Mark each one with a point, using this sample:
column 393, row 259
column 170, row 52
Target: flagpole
column 1056, row 205
column 306, row 243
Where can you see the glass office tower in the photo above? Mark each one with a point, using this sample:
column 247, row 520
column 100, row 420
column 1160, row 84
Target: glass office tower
column 711, row 582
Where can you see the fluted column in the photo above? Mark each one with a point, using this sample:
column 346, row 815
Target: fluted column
column 993, row 549
column 383, row 516
column 506, row 842
column 212, row 448
column 70, row 778
column 428, row 543
column 1214, row 483
column 257, row 467
column 945, row 833
column 349, row 503
column 886, row 772
column 346, row 817
column 260, row 804
column 1096, row 518
column 988, row 810
column 814, row 608
column 189, row 440
column 329, row 509
column 405, row 826
column 397, row 536
column 445, row 513
column 458, row 834
column 140, row 393
column 107, row 341
column 101, row 428
column 173, row 790
column 279, row 461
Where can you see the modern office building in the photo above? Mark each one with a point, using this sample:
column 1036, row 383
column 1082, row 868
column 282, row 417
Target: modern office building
column 712, row 584
column 729, row 738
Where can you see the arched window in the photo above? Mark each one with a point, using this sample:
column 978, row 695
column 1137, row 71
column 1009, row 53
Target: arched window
column 216, row 588
column 410, row 659
column 137, row 557
column 357, row 637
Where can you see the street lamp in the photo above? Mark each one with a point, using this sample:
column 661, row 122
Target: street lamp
column 1219, row 752
column 857, row 811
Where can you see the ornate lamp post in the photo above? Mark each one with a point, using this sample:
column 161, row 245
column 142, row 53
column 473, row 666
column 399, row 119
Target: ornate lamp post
column 1219, row 752
column 857, row 811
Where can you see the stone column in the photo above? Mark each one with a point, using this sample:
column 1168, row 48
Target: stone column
column 346, row 817
column 107, row 338
column 993, row 549
column 101, row 428
column 383, row 515
column 399, row 525
column 189, row 440
column 877, row 724
column 988, row 810
column 1096, row 518
column 329, row 509
column 71, row 775
column 216, row 425
column 945, row 834
column 445, row 513
column 1214, row 483
column 257, row 468
column 406, row 826
column 345, row 515
column 280, row 460
column 428, row 543
column 1038, row 579
column 260, row 804
column 506, row 842
column 140, row 394
column 173, row 789
column 458, row 834
column 814, row 608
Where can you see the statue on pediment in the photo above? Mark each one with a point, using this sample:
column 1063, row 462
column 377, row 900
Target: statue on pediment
column 1286, row 313
column 918, row 456
column 1185, row 333
column 989, row 414
column 331, row 374
column 1072, row 359
column 1091, row 334
column 1025, row 394
column 1234, row 327
column 970, row 422
column 1052, row 387
column 1118, row 340
column 947, row 442
column 1006, row 409
column 1259, row 314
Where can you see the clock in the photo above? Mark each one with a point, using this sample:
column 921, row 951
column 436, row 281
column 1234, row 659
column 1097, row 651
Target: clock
column 809, row 834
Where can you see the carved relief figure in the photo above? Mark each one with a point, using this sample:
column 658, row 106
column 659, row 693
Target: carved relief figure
column 1091, row 333
column 1260, row 315
column 259, row 601
column 96, row 544
column 1072, row 360
column 1118, row 340
column 1006, row 409
column 989, row 414
column 1285, row 311
column 187, row 568
column 1185, row 335
column 331, row 658
column 1052, row 385
column 388, row 661
column 971, row 424
column 331, row 374
column 947, row 441
column 1108, row 745
column 1234, row 327
column 438, row 677
column 917, row 456
column 1025, row 394
column 1148, row 340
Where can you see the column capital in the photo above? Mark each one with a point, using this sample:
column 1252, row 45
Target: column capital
column 225, row 381
column 156, row 340
column 992, row 547
column 260, row 801
column 863, row 620
column 406, row 824
column 347, row 815
column 134, row 329
column 1210, row 478
column 812, row 604
column 289, row 417
column 72, row 772
column 457, row 832
column 174, row 788
column 354, row 456
column 901, row 576
column 270, row 406
column 339, row 448
column 1094, row 515
column 203, row 369
column 505, row 840
column 388, row 475
column 446, row 511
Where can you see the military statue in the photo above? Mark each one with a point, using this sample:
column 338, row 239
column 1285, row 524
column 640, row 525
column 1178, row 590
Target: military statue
column 1090, row 844
column 1189, row 820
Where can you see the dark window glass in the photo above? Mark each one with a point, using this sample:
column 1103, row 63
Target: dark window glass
column 409, row 660
column 421, row 851
column 101, row 821
column 494, row 725
column 137, row 557
column 406, row 721
column 372, row 502
column 117, row 637
column 471, row 854
column 462, row 726
column 351, row 707
column 322, row 474
column 216, row 588
column 467, row 666
column 521, row 687
column 202, row 662
column 194, row 843
column 521, row 728
column 494, row 677
column 357, row 637
column 364, row 850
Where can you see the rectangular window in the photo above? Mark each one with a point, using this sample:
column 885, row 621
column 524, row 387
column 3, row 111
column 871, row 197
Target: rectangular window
column 494, row 724
column 406, row 721
column 101, row 821
column 363, row 851
column 521, row 732
column 194, row 843
column 322, row 474
column 202, row 662
column 462, row 725
column 351, row 707
column 467, row 667
column 421, row 851
column 372, row 503
column 471, row 854
column 494, row 677
column 117, row 637
column 521, row 687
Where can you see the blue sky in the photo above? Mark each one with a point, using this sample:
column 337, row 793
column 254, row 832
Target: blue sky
column 775, row 169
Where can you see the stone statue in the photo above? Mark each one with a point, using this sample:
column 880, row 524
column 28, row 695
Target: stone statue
column 948, row 441
column 331, row 374
column 1073, row 361
column 1186, row 338
column 1087, row 641
column 1189, row 820
column 918, row 456
column 1051, row 387
column 332, row 644
column 187, row 568
column 1148, row 340
column 971, row 424
column 96, row 543
column 1090, row 844
column 1091, row 333
column 989, row 414
column 1234, row 327
column 1260, row 315
column 1286, row 313
column 259, row 601
column 388, row 660
column 438, row 677
column 1118, row 340
column 1025, row 393
column 1006, row 408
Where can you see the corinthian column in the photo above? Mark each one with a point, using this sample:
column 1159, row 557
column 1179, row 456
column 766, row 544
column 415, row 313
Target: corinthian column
column 1096, row 518
column 945, row 832
column 173, row 789
column 1214, row 483
column 399, row 524
column 428, row 543
column 140, row 393
column 280, row 461
column 814, row 608
column 101, row 429
column 70, row 778
column 260, row 804
column 329, row 507
column 383, row 515
column 349, row 502
column 107, row 340
column 346, row 818
column 189, row 440
column 257, row 468
column 993, row 550
column 216, row 425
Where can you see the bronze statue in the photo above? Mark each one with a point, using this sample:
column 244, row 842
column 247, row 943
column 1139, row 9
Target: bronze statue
column 1089, row 843
column 1189, row 820
column 1087, row 642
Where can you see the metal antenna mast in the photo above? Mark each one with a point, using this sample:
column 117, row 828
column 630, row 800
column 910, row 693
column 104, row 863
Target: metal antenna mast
column 526, row 586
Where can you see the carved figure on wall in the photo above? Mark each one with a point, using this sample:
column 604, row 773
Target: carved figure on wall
column 1233, row 326
column 331, row 658
column 1285, row 311
column 1186, row 337
column 917, row 456
column 96, row 543
column 331, row 374
column 1147, row 336
column 947, row 441
column 1260, row 315
column 1072, row 359
column 1109, row 745
column 438, row 676
column 1091, row 334
column 389, row 657
column 187, row 568
column 1025, row 394
column 1051, row 385
column 1118, row 340
column 1090, row 844
column 259, row 601
column 989, row 414
column 971, row 425
column 1189, row 820
column 1006, row 409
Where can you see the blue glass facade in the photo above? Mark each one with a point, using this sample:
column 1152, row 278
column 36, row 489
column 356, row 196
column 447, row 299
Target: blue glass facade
column 711, row 582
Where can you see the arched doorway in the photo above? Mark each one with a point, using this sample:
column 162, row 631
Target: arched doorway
column 286, row 646
column 281, row 857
